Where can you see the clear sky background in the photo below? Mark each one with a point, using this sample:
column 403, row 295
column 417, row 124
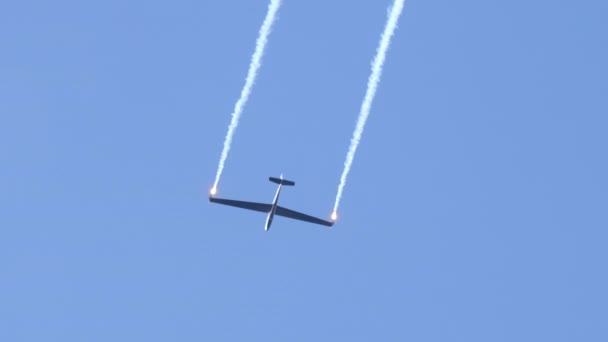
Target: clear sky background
column 476, row 209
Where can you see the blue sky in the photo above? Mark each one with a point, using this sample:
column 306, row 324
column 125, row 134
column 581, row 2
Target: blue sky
column 475, row 209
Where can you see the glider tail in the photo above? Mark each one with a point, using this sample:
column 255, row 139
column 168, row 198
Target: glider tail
column 281, row 181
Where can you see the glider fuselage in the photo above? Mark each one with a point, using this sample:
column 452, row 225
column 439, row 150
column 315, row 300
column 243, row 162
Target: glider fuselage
column 273, row 209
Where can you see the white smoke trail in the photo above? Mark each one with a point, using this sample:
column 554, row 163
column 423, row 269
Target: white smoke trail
column 256, row 59
column 372, row 85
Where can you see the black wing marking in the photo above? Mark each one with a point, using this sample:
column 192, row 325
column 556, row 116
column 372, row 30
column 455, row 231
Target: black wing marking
column 281, row 211
column 263, row 207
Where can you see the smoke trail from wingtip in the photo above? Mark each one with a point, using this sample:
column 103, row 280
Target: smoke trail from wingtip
column 372, row 85
column 256, row 61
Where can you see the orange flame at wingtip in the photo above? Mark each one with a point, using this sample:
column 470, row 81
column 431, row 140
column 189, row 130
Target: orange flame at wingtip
column 334, row 216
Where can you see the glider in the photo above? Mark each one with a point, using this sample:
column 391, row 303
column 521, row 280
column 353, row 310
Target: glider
column 271, row 208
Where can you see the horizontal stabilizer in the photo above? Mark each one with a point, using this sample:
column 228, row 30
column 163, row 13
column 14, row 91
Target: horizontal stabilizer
column 281, row 181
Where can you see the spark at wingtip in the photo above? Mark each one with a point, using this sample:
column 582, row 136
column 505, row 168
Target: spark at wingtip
column 334, row 216
column 213, row 191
